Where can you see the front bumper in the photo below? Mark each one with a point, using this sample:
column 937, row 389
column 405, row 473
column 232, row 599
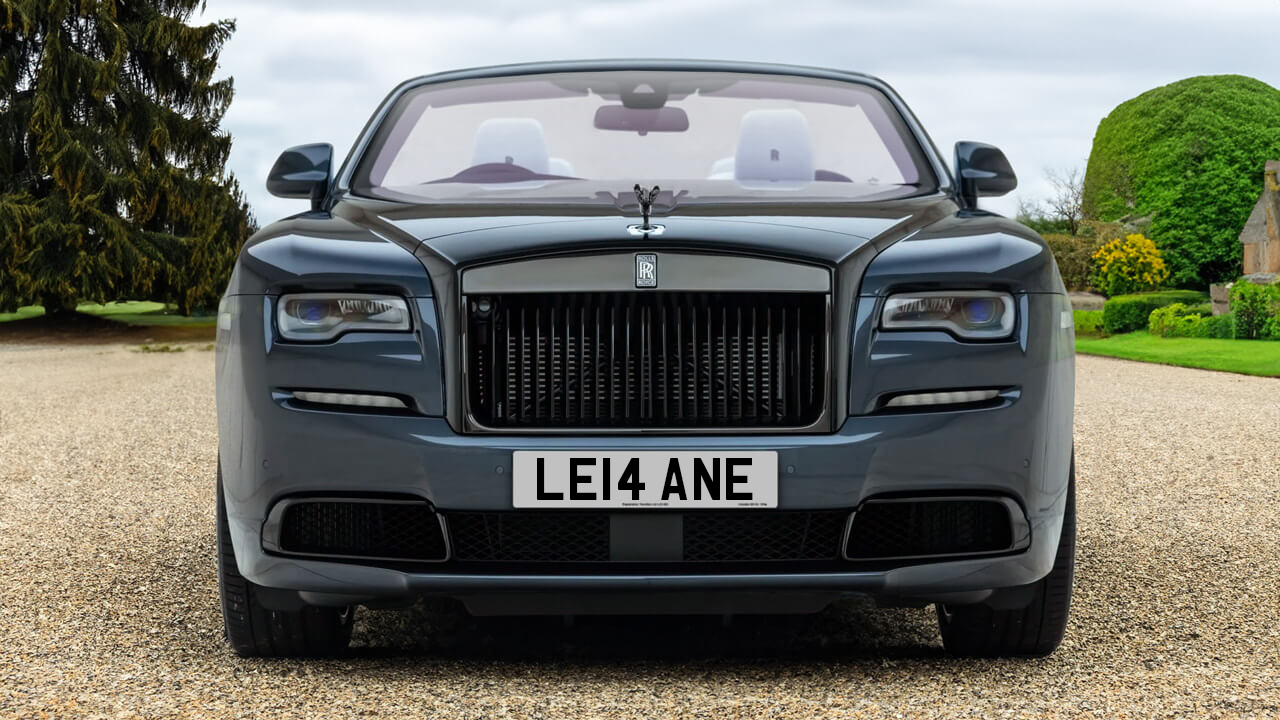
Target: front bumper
column 271, row 449
column 317, row 452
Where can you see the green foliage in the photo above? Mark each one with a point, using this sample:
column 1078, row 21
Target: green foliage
column 1074, row 256
column 1219, row 326
column 1178, row 320
column 1130, row 264
column 1126, row 313
column 112, row 163
column 1254, row 306
column 1088, row 322
column 1189, row 155
column 1271, row 330
column 1045, row 225
column 1171, row 320
column 137, row 313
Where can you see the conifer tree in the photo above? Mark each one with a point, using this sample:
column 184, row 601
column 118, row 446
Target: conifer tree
column 112, row 162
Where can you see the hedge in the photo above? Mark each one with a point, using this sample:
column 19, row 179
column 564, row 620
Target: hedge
column 1126, row 313
column 1088, row 322
column 1178, row 320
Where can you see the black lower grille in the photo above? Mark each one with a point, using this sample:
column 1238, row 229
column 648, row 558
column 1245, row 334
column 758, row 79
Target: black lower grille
column 377, row 530
column 916, row 528
column 647, row 359
column 567, row 537
column 746, row 537
column 529, row 537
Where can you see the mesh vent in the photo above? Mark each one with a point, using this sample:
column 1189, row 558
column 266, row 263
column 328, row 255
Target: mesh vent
column 883, row 530
column 406, row 531
column 733, row 536
column 747, row 536
column 530, row 537
column 647, row 359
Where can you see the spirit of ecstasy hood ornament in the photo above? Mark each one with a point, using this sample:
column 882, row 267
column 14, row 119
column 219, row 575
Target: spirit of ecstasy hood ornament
column 646, row 198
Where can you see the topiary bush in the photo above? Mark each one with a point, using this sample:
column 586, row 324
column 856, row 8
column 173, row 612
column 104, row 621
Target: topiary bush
column 1126, row 313
column 1128, row 265
column 1189, row 156
column 1254, row 306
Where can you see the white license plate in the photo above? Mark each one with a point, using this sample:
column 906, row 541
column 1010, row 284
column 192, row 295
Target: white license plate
column 648, row 479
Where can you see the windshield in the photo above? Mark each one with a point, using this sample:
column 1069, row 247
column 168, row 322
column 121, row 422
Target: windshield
column 591, row 136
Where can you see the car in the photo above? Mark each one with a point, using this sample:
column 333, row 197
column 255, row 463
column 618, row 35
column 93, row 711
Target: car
column 614, row 337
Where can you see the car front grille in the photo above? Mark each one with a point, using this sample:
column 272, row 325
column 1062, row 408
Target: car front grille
column 647, row 360
column 406, row 531
column 898, row 529
column 708, row 537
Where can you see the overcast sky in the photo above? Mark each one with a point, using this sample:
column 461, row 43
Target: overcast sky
column 1031, row 76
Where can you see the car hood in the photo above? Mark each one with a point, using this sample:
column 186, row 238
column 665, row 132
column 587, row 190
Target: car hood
column 460, row 236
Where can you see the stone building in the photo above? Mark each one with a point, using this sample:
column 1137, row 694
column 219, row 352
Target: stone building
column 1260, row 239
column 1261, row 234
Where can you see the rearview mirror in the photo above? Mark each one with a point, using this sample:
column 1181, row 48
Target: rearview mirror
column 641, row 120
column 302, row 172
column 982, row 171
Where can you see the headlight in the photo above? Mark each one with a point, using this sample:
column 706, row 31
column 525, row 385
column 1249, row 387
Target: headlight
column 970, row 314
column 324, row 316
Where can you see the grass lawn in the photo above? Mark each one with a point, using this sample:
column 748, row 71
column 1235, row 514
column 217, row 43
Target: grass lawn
column 136, row 312
column 1250, row 357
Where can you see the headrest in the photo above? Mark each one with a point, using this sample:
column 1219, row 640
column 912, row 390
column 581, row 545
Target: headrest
column 774, row 145
column 515, row 141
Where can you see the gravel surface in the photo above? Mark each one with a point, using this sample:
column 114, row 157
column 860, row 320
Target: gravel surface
column 108, row 598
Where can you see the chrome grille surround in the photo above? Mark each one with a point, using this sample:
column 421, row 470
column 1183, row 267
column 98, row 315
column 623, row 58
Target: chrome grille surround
column 748, row 355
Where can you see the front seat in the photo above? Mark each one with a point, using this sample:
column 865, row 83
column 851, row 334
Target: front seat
column 516, row 141
column 774, row 146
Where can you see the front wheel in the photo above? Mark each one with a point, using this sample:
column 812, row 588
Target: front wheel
column 256, row 631
column 1033, row 631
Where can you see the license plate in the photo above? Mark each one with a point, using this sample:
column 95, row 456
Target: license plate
column 649, row 479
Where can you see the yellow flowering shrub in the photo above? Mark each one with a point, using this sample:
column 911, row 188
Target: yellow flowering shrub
column 1128, row 265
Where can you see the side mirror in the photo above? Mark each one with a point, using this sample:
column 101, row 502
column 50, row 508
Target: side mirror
column 302, row 172
column 982, row 171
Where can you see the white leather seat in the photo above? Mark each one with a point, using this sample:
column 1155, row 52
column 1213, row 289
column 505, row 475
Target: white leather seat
column 721, row 169
column 774, row 146
column 559, row 166
column 514, row 141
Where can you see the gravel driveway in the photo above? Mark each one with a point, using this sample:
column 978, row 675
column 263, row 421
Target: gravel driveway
column 108, row 599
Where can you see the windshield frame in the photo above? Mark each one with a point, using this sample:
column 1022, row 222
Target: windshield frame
column 935, row 176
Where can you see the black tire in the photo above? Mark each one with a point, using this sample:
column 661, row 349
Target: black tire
column 256, row 631
column 1032, row 631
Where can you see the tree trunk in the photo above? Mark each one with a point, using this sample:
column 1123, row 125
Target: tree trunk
column 57, row 304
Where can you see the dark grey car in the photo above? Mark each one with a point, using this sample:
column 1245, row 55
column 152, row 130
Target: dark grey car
column 645, row 336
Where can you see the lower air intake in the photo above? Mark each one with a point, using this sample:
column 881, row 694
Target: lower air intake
column 395, row 530
column 904, row 528
column 707, row 537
